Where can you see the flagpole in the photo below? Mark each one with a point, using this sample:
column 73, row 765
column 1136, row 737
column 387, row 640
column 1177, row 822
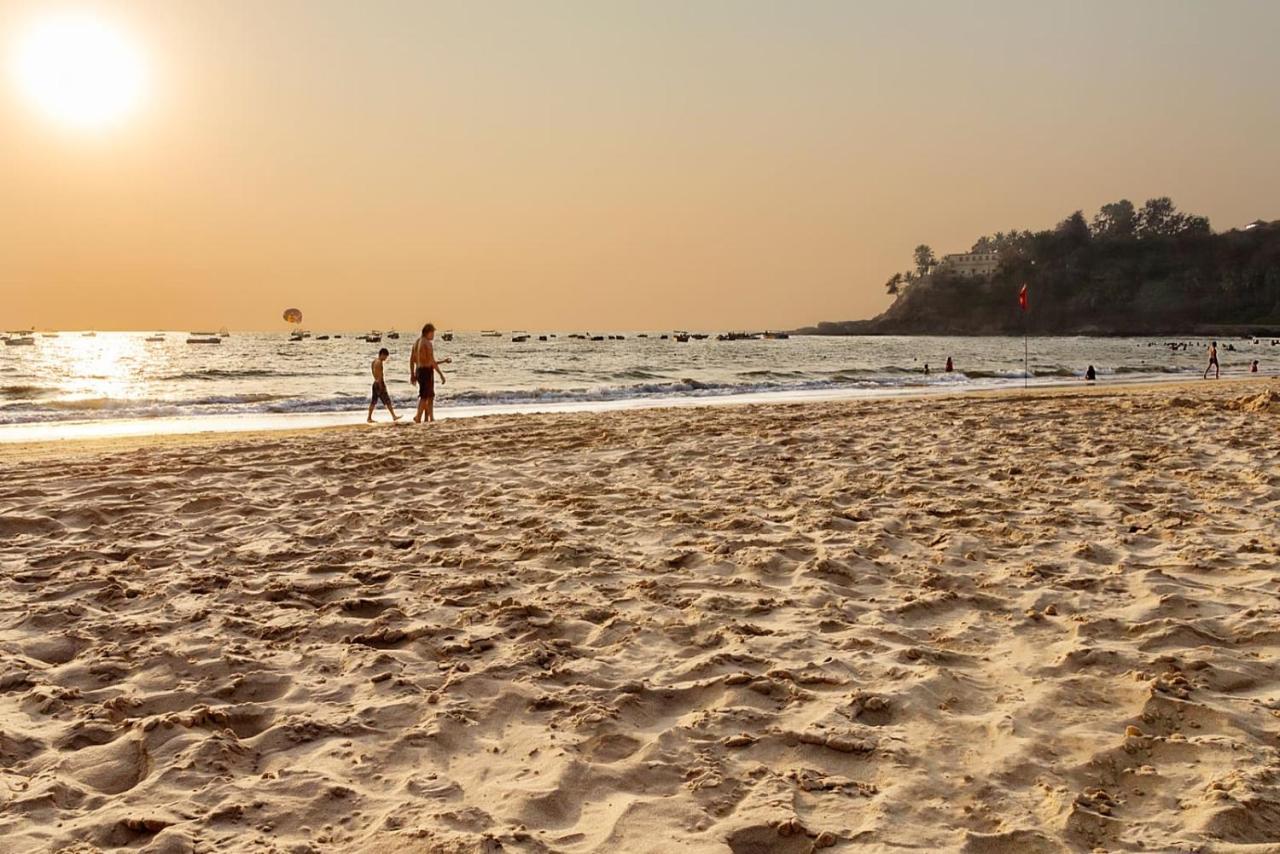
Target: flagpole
column 1026, row 370
column 1024, row 305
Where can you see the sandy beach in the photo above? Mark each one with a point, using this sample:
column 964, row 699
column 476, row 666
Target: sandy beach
column 989, row 623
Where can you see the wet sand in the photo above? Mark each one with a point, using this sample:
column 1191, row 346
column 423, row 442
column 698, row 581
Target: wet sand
column 984, row 623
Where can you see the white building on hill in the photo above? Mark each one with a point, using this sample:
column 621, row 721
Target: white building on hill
column 971, row 263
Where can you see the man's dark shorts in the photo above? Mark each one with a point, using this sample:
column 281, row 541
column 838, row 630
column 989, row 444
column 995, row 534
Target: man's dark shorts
column 426, row 383
column 380, row 394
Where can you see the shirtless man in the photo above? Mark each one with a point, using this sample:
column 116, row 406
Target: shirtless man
column 422, row 370
column 1213, row 362
column 380, row 392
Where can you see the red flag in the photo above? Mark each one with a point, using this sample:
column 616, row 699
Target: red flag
column 1022, row 298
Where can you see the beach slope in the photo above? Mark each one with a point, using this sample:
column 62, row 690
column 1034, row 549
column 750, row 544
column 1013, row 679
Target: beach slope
column 994, row 623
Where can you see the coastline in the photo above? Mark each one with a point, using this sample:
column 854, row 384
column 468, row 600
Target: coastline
column 39, row 433
column 979, row 622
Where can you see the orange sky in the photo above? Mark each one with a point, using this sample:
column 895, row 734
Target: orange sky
column 603, row 165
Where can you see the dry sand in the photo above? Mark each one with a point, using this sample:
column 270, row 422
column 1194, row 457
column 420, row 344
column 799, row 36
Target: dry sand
column 987, row 624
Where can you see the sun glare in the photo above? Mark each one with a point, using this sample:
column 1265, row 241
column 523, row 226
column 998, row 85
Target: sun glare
column 79, row 70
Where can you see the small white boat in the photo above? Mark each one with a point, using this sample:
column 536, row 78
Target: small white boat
column 22, row 341
column 154, row 339
column 393, row 335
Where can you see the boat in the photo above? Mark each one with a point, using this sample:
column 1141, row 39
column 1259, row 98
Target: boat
column 223, row 333
column 154, row 339
column 490, row 333
column 736, row 336
column 519, row 339
column 88, row 335
column 776, row 336
column 597, row 337
column 20, row 341
column 393, row 335
column 542, row 338
column 642, row 335
column 296, row 337
column 322, row 337
column 372, row 338
column 206, row 340
column 49, row 335
column 700, row 336
column 447, row 336
column 682, row 337
column 203, row 334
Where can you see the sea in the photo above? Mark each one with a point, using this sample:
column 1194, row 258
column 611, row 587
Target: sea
column 145, row 377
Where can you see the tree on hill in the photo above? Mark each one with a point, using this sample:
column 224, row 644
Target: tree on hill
column 894, row 285
column 924, row 259
column 1074, row 230
column 1118, row 220
column 1158, row 218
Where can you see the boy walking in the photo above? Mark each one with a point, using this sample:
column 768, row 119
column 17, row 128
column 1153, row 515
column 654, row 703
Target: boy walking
column 422, row 369
column 380, row 386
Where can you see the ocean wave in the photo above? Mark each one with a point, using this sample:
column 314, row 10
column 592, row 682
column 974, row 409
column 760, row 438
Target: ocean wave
column 109, row 407
column 771, row 373
column 224, row 374
column 1155, row 369
column 995, row 375
column 633, row 374
column 22, row 392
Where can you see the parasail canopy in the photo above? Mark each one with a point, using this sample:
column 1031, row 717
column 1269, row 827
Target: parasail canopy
column 293, row 315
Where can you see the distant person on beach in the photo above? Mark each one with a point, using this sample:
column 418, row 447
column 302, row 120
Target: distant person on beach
column 1213, row 362
column 950, row 367
column 1253, row 368
column 1091, row 374
column 380, row 387
column 422, row 370
column 926, row 369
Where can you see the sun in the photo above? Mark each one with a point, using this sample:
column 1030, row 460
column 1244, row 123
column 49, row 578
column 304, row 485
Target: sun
column 79, row 70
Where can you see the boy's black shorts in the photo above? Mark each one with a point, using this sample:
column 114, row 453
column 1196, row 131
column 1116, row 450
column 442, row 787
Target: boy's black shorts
column 380, row 393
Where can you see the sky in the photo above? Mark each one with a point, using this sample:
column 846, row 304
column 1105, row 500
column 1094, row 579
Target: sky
column 604, row 165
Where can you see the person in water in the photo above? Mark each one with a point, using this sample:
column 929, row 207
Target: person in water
column 422, row 370
column 950, row 366
column 380, row 387
column 1253, row 368
column 1091, row 374
column 1213, row 362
